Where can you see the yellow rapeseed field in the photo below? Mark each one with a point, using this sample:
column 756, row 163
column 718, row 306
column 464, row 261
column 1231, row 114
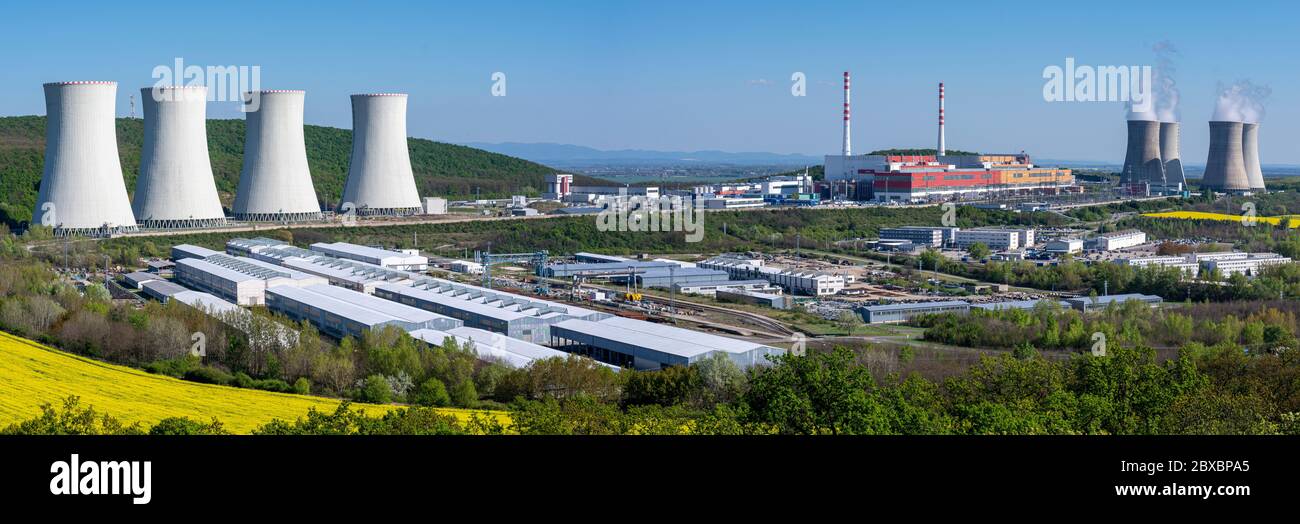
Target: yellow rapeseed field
column 1201, row 215
column 32, row 374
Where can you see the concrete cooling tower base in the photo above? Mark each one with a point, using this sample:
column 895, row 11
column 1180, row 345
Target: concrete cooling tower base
column 183, row 223
column 388, row 212
column 306, row 216
column 94, row 232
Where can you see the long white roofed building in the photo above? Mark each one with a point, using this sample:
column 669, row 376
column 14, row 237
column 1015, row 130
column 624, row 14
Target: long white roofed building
column 341, row 312
column 243, row 281
column 516, row 316
column 645, row 345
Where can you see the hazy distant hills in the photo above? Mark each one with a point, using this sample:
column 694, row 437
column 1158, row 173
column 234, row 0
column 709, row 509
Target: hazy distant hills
column 561, row 155
column 440, row 169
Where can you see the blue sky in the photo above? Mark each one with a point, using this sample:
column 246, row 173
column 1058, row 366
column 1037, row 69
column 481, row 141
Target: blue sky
column 686, row 75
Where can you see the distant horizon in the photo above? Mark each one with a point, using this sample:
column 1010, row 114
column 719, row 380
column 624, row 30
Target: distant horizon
column 819, row 159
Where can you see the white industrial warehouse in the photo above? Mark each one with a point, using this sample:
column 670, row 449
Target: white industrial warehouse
column 645, row 345
column 515, row 316
column 371, row 255
column 491, row 346
column 342, row 313
column 243, row 281
column 347, row 298
column 815, row 283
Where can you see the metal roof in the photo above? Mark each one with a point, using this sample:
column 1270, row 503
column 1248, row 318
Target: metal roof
column 195, row 251
column 202, row 264
column 632, row 338
column 514, row 352
column 163, row 288
column 461, row 291
column 456, row 302
column 721, row 343
column 656, row 337
column 140, row 277
column 367, row 252
column 1107, row 299
column 344, row 269
column 728, row 283
column 1014, row 304
column 339, row 307
column 883, row 308
column 376, row 304
column 206, row 302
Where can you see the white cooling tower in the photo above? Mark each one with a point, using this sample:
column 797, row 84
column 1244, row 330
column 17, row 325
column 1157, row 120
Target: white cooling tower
column 275, row 184
column 1250, row 154
column 82, row 191
column 380, row 181
column 176, row 188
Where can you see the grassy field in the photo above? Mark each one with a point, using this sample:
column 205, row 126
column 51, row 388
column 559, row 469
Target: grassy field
column 1222, row 217
column 32, row 374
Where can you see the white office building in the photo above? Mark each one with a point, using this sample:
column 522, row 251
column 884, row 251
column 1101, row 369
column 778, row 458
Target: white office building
column 995, row 239
column 1119, row 240
column 1251, row 265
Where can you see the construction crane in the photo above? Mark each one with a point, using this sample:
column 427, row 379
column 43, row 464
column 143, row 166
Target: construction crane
column 488, row 259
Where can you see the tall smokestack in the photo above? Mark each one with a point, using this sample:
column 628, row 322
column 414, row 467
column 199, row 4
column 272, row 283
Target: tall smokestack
column 275, row 183
column 82, row 191
column 1171, row 153
column 1250, row 155
column 1225, row 168
column 1142, row 162
column 176, row 188
column 380, row 181
column 848, row 148
column 943, row 149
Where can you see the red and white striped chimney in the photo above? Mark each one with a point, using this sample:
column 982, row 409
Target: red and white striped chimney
column 848, row 149
column 943, row 149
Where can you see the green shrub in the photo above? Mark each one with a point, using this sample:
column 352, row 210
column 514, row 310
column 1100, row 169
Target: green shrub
column 375, row 390
column 432, row 392
column 208, row 375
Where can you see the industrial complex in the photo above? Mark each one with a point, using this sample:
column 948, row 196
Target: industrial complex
column 346, row 297
column 347, row 289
